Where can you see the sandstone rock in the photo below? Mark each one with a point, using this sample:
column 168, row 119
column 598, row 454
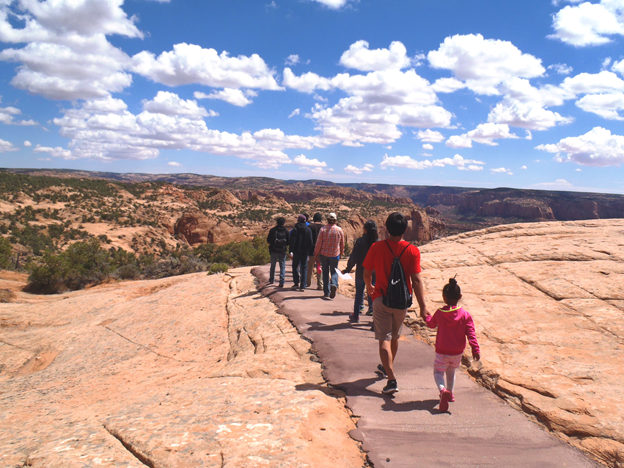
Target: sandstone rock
column 547, row 300
column 185, row 371
column 518, row 208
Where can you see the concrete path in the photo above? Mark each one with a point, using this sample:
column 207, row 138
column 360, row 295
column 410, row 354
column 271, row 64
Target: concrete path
column 407, row 430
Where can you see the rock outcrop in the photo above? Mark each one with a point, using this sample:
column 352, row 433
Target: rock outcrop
column 517, row 208
column 181, row 372
column 548, row 304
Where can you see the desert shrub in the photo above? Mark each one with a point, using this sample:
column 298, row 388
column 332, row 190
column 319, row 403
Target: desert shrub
column 174, row 266
column 5, row 253
column 235, row 254
column 218, row 268
column 81, row 264
column 127, row 272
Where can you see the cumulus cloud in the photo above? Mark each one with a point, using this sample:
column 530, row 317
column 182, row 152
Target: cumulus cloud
column 294, row 113
column 447, row 85
column 557, row 184
column 174, row 164
column 6, row 146
column 598, row 147
column 484, row 134
column 561, row 68
column 360, row 57
column 502, row 170
column 618, row 67
column 305, row 83
column 589, row 23
column 607, row 106
column 430, row 136
column 236, row 97
column 427, row 146
column 189, row 63
column 406, row 162
column 27, row 143
column 301, row 160
column 333, row 4
column 7, row 117
column 57, row 152
column 482, row 64
column 359, row 170
column 587, row 83
column 292, row 60
column 170, row 104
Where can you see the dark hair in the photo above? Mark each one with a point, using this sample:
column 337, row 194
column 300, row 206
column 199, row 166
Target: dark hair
column 280, row 221
column 396, row 224
column 452, row 291
column 317, row 217
column 371, row 232
column 307, row 216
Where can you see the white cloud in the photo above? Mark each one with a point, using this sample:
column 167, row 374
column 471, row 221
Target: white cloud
column 502, row 170
column 561, row 68
column 236, row 97
column 605, row 63
column 7, row 115
column 427, row 146
column 447, row 85
column 406, row 162
column 360, row 57
column 170, row 104
column 305, row 83
column 294, row 113
column 607, row 106
column 484, row 134
column 301, row 160
column 6, row 146
column 523, row 167
column 189, row 63
column 587, row 83
column 598, row 147
column 333, row 4
column 589, row 23
column 430, row 136
column 557, row 184
column 359, row 170
column 174, row 164
column 27, row 143
column 57, row 152
column 618, row 67
column 292, row 60
column 484, row 63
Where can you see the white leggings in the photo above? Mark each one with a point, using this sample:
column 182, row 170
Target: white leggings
column 450, row 378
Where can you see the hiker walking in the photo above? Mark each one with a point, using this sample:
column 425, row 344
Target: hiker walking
column 396, row 264
column 300, row 245
column 329, row 248
column 454, row 325
column 360, row 249
column 278, row 244
column 315, row 227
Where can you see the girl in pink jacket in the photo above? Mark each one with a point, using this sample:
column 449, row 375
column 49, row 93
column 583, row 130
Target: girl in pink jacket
column 454, row 325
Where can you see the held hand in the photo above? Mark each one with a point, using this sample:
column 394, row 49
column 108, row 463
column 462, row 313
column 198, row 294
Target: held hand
column 476, row 356
column 344, row 272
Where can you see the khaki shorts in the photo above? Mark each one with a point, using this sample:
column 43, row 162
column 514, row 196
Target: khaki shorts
column 388, row 322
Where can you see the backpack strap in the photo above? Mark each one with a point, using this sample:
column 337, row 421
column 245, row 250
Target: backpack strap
column 399, row 257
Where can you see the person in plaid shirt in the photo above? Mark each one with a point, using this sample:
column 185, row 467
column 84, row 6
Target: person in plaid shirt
column 329, row 247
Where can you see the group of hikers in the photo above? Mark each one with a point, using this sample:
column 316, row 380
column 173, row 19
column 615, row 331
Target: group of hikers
column 388, row 273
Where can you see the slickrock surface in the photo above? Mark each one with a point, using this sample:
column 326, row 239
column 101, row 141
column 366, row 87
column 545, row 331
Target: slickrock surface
column 548, row 302
column 181, row 372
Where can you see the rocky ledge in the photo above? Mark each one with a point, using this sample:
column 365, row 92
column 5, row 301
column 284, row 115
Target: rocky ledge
column 185, row 371
column 548, row 303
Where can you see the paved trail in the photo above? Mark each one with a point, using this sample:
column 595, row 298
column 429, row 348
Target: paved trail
column 407, row 430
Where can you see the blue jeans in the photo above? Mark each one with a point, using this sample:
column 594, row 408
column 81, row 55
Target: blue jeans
column 330, row 267
column 300, row 262
column 360, row 287
column 281, row 258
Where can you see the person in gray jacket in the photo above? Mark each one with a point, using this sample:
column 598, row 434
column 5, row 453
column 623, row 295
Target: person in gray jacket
column 300, row 244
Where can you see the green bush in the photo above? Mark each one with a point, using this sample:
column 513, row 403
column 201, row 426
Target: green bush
column 236, row 254
column 218, row 268
column 5, row 253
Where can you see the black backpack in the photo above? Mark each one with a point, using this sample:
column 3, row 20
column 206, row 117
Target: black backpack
column 281, row 239
column 398, row 295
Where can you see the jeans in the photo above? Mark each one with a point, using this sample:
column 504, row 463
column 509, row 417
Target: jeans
column 300, row 262
column 311, row 265
column 360, row 287
column 281, row 258
column 330, row 267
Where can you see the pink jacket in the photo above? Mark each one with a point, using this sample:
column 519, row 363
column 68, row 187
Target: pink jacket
column 454, row 325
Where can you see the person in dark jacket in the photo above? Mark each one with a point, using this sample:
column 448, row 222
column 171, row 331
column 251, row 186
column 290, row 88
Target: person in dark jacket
column 315, row 227
column 278, row 241
column 360, row 249
column 300, row 245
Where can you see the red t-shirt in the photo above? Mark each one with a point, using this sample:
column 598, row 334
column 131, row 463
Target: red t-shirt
column 379, row 259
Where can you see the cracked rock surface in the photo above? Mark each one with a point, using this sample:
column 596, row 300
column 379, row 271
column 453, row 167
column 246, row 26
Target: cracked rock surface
column 181, row 372
column 548, row 304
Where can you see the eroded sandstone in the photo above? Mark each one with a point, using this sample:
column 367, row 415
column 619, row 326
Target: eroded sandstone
column 185, row 371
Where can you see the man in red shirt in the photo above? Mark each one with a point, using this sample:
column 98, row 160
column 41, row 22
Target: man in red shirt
column 388, row 322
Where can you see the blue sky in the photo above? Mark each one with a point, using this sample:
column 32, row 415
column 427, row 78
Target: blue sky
column 475, row 93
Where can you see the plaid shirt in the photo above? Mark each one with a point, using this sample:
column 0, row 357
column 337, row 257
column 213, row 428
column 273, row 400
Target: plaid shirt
column 330, row 241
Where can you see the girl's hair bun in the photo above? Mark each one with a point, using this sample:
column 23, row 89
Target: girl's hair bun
column 452, row 281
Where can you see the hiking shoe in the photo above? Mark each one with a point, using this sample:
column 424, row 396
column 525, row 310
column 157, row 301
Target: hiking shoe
column 370, row 312
column 281, row 285
column 445, row 397
column 332, row 292
column 353, row 318
column 271, row 282
column 294, row 286
column 301, row 289
column 392, row 387
column 319, row 288
column 382, row 369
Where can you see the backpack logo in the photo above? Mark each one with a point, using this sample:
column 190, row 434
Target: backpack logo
column 398, row 295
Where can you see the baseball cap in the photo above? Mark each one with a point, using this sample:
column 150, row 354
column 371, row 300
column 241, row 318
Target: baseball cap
column 331, row 216
column 301, row 218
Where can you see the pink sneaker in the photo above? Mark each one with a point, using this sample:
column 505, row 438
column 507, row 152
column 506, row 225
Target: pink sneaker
column 445, row 397
column 452, row 398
